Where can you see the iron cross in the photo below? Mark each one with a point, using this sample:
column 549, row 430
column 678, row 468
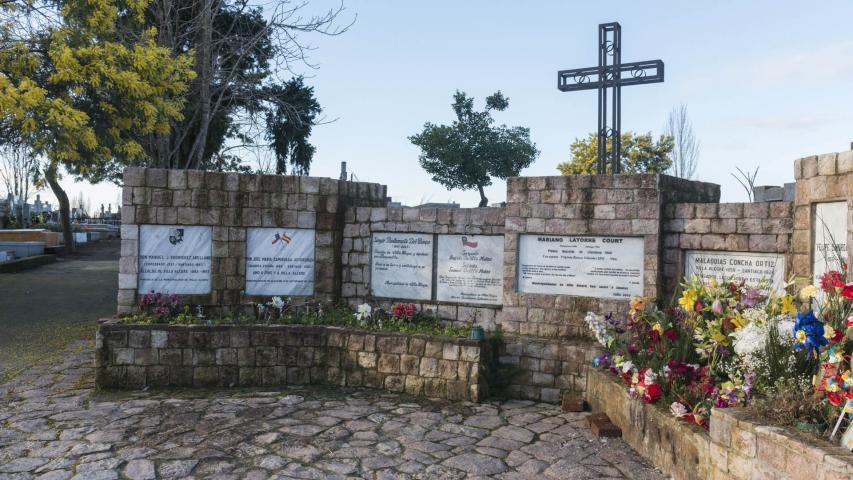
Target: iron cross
column 609, row 74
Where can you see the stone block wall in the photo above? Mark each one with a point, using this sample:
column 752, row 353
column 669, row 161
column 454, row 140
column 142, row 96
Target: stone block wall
column 544, row 369
column 737, row 448
column 761, row 227
column 623, row 205
column 229, row 203
column 138, row 356
column 820, row 178
column 362, row 222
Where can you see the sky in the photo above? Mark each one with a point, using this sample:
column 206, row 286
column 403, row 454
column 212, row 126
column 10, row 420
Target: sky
column 765, row 82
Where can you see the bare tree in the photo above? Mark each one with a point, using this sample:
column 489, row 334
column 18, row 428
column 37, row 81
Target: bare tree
column 18, row 170
column 685, row 152
column 243, row 49
column 746, row 180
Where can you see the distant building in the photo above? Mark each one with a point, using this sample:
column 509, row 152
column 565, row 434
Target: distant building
column 438, row 205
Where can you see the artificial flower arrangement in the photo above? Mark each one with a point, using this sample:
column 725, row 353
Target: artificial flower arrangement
column 696, row 354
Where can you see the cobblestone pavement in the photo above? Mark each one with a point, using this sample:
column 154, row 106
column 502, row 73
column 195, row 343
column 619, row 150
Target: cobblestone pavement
column 53, row 425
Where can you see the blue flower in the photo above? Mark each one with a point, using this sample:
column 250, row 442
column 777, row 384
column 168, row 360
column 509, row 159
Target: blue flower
column 808, row 330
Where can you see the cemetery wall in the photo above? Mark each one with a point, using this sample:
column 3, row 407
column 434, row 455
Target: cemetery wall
column 139, row 356
column 737, row 448
column 822, row 218
column 617, row 206
column 472, row 225
column 226, row 206
column 690, row 229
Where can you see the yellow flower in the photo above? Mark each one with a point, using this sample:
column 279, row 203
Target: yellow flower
column 688, row 300
column 833, row 387
column 846, row 375
column 848, row 407
column 718, row 337
column 788, row 306
column 801, row 336
column 712, row 282
column 656, row 327
column 739, row 322
column 808, row 292
column 637, row 303
column 828, row 332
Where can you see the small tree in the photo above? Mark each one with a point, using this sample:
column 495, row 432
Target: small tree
column 470, row 151
column 289, row 125
column 685, row 152
column 638, row 154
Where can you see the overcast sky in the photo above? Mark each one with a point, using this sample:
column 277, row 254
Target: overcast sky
column 765, row 82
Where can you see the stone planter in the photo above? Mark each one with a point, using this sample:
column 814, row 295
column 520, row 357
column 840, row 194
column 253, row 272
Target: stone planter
column 139, row 356
column 736, row 449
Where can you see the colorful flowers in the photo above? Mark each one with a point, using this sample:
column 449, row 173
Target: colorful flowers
column 808, row 332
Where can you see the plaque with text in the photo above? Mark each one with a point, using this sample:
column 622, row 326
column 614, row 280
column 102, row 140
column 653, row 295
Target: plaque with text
column 470, row 269
column 753, row 268
column 829, row 227
column 583, row 266
column 401, row 265
column 174, row 259
column 279, row 261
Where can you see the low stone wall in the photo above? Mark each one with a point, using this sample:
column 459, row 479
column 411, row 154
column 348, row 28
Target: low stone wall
column 543, row 369
column 138, row 356
column 736, row 449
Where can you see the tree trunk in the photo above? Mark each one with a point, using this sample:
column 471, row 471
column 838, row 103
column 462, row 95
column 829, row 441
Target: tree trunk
column 204, row 68
column 64, row 207
column 484, row 202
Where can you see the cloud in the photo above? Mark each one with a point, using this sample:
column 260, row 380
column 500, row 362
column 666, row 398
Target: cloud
column 809, row 67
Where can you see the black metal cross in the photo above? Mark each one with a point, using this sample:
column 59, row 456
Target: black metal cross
column 609, row 74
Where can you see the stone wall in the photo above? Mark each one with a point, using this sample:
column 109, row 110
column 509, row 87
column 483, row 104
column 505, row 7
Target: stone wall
column 229, row 203
column 361, row 223
column 762, row 227
column 138, row 356
column 623, row 205
column 736, row 449
column 820, row 178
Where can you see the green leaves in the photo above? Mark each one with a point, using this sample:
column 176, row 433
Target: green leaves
column 470, row 151
column 639, row 153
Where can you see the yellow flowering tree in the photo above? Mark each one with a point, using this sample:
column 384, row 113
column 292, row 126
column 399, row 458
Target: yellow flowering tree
column 81, row 82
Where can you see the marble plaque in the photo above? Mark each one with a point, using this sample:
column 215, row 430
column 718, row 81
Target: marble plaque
column 174, row 259
column 829, row 231
column 470, row 269
column 754, row 268
column 401, row 265
column 279, row 261
column 583, row 266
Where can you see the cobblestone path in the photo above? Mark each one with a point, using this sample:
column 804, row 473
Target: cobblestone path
column 53, row 425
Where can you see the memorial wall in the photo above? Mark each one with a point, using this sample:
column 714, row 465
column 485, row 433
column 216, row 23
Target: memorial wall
column 223, row 240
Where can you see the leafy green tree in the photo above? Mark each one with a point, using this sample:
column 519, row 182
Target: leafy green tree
column 289, row 125
column 470, row 151
column 639, row 153
column 80, row 80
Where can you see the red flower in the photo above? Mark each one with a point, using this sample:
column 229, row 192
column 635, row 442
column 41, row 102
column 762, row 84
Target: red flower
column 839, row 335
column 834, row 398
column 831, row 280
column 847, row 291
column 671, row 333
column 652, row 393
column 698, row 306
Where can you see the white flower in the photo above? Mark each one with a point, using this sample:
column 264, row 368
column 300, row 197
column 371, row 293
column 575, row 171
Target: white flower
column 650, row 377
column 598, row 327
column 277, row 302
column 363, row 312
column 627, row 366
column 678, row 410
column 755, row 315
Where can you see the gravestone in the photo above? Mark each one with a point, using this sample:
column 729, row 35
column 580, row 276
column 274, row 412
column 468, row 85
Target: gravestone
column 584, row 266
column 401, row 265
column 753, row 268
column 174, row 259
column 829, row 230
column 280, row 261
column 470, row 269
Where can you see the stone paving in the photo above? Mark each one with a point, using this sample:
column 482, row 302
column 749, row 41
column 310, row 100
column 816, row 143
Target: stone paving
column 53, row 425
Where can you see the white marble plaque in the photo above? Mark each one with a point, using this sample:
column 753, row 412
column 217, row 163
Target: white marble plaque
column 401, row 265
column 174, row 259
column 753, row 268
column 830, row 238
column 279, row 261
column 470, row 269
column 584, row 266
